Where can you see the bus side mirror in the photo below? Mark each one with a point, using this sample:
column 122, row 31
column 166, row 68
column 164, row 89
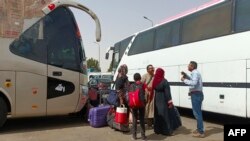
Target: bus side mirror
column 107, row 56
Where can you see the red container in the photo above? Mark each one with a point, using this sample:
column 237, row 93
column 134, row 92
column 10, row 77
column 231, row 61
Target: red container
column 121, row 115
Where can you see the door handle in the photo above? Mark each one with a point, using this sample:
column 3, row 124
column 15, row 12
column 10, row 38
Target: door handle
column 57, row 73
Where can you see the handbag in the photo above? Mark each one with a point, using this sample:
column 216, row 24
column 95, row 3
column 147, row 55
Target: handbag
column 112, row 98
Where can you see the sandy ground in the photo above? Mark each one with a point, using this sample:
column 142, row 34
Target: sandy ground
column 75, row 129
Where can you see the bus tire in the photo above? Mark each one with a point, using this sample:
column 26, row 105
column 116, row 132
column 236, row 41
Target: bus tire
column 3, row 111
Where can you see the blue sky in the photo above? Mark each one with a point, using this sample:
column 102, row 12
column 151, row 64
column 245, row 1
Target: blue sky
column 122, row 18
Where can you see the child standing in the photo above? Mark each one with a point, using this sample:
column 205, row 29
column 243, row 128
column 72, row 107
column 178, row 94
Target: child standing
column 139, row 110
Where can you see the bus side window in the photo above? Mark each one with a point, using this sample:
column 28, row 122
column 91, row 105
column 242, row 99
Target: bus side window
column 31, row 44
column 144, row 42
column 167, row 35
column 242, row 15
column 210, row 23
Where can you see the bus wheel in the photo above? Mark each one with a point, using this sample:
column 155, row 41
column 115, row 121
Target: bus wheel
column 3, row 111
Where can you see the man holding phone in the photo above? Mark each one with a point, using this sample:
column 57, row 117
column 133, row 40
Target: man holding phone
column 195, row 91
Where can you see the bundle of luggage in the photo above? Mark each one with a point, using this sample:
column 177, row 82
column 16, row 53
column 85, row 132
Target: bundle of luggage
column 117, row 119
column 109, row 113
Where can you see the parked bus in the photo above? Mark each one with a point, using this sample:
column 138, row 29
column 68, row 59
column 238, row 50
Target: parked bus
column 118, row 51
column 217, row 36
column 42, row 60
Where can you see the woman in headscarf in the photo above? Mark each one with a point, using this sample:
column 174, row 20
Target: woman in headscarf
column 163, row 104
column 122, row 83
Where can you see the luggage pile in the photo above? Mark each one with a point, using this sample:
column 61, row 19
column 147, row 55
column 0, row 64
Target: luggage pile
column 117, row 123
column 107, row 112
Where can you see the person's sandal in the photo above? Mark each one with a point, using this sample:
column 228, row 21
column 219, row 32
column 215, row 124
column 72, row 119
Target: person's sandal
column 199, row 135
column 195, row 131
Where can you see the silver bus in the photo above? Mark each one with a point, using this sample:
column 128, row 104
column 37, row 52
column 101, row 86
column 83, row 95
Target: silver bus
column 43, row 67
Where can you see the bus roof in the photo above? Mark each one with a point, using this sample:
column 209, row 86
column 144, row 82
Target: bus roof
column 185, row 13
column 193, row 10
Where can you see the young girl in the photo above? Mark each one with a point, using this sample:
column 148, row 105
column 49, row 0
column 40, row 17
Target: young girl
column 140, row 110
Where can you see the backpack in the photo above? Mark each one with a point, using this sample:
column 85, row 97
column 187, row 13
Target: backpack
column 136, row 98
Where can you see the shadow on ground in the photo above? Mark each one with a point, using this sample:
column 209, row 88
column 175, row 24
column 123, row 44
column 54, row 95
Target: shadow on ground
column 41, row 123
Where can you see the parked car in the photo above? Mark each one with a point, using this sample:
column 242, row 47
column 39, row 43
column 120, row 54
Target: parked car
column 100, row 83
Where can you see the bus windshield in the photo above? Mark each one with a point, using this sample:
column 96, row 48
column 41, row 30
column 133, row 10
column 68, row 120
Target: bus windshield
column 119, row 49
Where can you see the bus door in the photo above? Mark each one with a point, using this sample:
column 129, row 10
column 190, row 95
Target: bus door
column 63, row 62
column 65, row 57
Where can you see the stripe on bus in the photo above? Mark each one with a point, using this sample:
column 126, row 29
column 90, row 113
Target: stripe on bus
column 217, row 84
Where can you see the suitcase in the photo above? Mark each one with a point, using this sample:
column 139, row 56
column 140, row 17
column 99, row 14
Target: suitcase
column 98, row 116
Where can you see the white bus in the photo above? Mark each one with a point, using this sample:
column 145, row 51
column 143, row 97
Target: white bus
column 217, row 36
column 42, row 60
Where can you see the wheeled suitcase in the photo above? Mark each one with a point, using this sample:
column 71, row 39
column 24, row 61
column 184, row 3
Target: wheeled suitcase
column 98, row 116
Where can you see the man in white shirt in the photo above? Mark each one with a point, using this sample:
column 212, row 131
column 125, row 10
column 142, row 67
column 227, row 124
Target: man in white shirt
column 195, row 91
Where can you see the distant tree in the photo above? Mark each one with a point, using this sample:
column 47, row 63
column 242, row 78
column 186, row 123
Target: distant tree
column 93, row 64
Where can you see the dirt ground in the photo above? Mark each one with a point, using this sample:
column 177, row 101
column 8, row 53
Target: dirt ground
column 67, row 128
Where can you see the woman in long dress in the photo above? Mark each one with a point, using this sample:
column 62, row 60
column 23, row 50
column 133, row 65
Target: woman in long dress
column 163, row 104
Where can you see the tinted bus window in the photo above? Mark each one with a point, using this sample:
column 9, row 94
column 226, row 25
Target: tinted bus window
column 32, row 44
column 52, row 40
column 143, row 42
column 167, row 35
column 214, row 22
column 124, row 45
column 63, row 44
column 242, row 15
column 116, row 57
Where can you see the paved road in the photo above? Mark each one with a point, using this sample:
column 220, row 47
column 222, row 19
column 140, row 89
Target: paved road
column 67, row 128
